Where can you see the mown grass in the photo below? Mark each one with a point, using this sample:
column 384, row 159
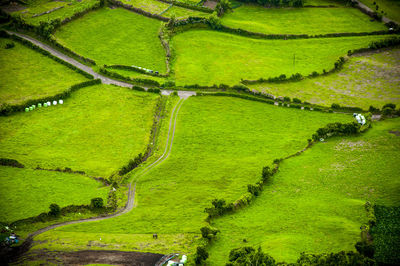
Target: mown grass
column 26, row 74
column 209, row 57
column 316, row 201
column 25, row 193
column 115, row 36
column 97, row 130
column 220, row 146
column 367, row 79
column 390, row 8
column 311, row 21
column 70, row 7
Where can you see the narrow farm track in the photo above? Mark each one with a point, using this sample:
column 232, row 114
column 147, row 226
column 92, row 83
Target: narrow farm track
column 26, row 245
column 72, row 61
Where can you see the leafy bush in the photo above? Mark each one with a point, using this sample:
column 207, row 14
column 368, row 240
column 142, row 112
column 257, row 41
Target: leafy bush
column 209, row 232
column 96, row 203
column 201, row 255
column 389, row 105
column 286, row 99
column 335, row 106
column 11, row 162
column 340, row 258
column 296, row 100
column 132, row 164
column 55, row 210
column 249, row 256
column 337, row 129
column 10, row 45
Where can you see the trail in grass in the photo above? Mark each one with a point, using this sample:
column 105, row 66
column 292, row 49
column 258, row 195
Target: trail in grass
column 72, row 61
column 131, row 194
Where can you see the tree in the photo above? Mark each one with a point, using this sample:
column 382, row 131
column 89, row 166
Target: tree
column 214, row 21
column 55, row 210
column 209, row 232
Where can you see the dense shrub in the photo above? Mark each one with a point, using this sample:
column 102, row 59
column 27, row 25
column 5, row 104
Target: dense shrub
column 11, row 162
column 255, row 189
column 249, row 256
column 96, row 203
column 389, row 105
column 209, row 232
column 337, row 129
column 55, row 210
column 132, row 164
column 373, row 110
column 201, row 255
column 9, row 45
column 296, row 100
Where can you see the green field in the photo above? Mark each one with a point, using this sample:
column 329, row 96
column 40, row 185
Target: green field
column 208, row 57
column 152, row 6
column 26, row 74
column 315, row 202
column 367, row 79
column 115, row 36
column 204, row 164
column 391, row 8
column 181, row 13
column 70, row 7
column 97, row 130
column 137, row 75
column 293, row 20
column 26, row 192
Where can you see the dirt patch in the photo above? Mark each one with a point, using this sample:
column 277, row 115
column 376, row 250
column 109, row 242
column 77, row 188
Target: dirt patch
column 12, row 7
column 396, row 132
column 210, row 4
column 84, row 257
column 353, row 146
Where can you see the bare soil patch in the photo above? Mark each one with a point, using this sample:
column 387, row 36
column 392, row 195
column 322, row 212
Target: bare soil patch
column 396, row 132
column 84, row 257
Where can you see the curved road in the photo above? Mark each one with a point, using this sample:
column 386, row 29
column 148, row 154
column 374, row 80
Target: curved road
column 72, row 61
column 131, row 194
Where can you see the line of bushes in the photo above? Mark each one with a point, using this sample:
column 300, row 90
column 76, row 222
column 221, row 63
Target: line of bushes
column 140, row 158
column 11, row 162
column 341, row 129
column 375, row 45
column 7, row 109
column 96, row 206
column 138, row 10
column 46, row 28
column 147, row 82
column 136, row 69
column 27, row 43
column 188, row 6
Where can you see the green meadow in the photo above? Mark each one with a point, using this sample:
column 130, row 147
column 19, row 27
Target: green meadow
column 97, row 130
column 367, row 79
column 209, row 57
column 220, row 146
column 292, row 20
column 69, row 8
column 316, row 201
column 152, row 6
column 26, row 74
column 30, row 192
column 115, row 36
column 181, row 13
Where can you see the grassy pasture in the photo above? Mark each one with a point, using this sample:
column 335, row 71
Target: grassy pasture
column 220, row 146
column 97, row 130
column 311, row 21
column 152, row 6
column 316, row 201
column 26, row 74
column 209, row 57
column 26, row 192
column 181, row 13
column 391, row 8
column 70, row 7
column 115, row 36
column 367, row 79
column 134, row 74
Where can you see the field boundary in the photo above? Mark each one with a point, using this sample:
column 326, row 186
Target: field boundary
column 188, row 6
column 138, row 10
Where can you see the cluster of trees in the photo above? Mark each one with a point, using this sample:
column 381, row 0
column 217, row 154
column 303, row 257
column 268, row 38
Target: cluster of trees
column 277, row 3
column 132, row 164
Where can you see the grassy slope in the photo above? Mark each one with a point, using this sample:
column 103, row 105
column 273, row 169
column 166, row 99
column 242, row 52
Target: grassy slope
column 26, row 74
column 152, row 6
column 97, row 130
column 25, row 192
column 220, row 146
column 181, row 12
column 70, row 8
column 209, row 57
column 391, row 8
column 311, row 21
column 368, row 79
column 315, row 202
column 116, row 36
